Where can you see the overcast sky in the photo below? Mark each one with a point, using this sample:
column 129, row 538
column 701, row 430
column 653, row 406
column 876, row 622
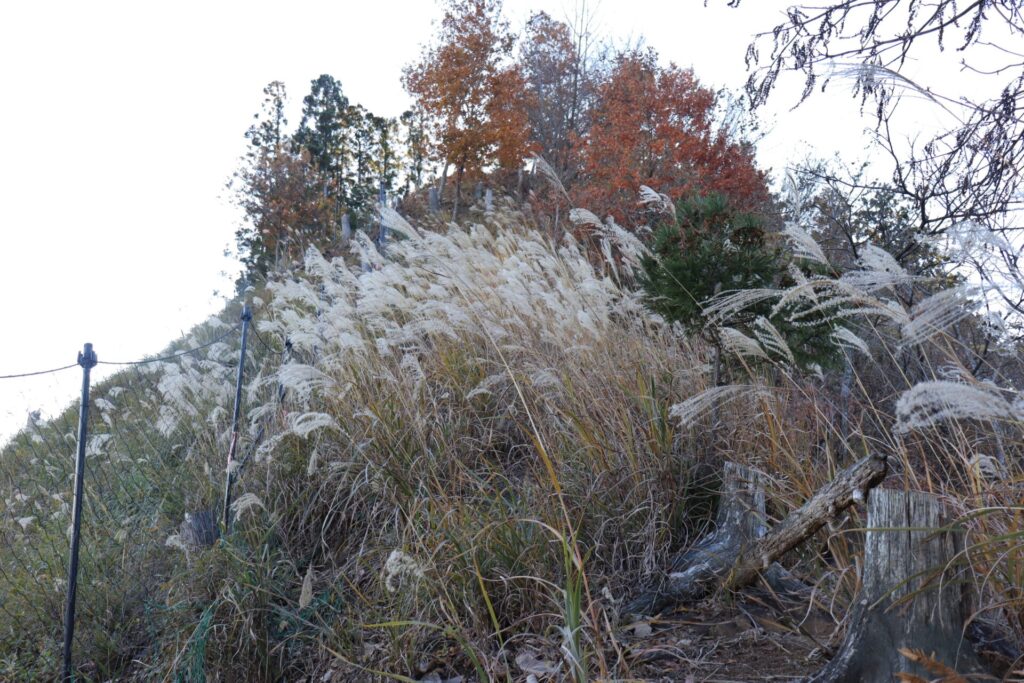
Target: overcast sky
column 121, row 122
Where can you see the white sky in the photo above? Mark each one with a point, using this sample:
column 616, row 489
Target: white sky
column 121, row 122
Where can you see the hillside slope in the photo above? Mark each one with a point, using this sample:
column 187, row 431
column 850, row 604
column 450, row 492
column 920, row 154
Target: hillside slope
column 460, row 464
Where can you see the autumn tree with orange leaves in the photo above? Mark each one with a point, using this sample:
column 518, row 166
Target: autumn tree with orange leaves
column 656, row 126
column 605, row 128
column 471, row 92
column 286, row 208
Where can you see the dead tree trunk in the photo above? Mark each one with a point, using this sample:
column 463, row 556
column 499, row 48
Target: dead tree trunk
column 849, row 486
column 740, row 548
column 740, row 519
column 912, row 596
column 346, row 229
column 442, row 182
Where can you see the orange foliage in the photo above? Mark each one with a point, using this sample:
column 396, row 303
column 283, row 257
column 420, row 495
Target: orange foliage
column 605, row 135
column 655, row 126
column 471, row 95
column 287, row 204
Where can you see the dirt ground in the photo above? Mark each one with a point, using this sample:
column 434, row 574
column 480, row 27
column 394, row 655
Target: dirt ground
column 743, row 638
column 747, row 640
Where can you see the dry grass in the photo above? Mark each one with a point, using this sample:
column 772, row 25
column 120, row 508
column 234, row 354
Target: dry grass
column 473, row 463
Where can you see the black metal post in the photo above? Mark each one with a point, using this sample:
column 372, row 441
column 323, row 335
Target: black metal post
column 229, row 478
column 87, row 359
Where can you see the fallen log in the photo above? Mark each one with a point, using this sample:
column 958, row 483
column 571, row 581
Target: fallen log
column 740, row 548
column 849, row 486
column 909, row 616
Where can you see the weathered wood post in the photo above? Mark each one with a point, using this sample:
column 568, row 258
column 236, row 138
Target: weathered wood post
column 489, row 200
column 435, row 201
column 198, row 531
column 478, row 192
column 739, row 521
column 346, row 229
column 912, row 596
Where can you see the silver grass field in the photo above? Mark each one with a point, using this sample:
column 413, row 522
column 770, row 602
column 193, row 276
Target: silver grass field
column 473, row 449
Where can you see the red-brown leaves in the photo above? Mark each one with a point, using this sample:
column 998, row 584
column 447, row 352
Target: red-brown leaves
column 655, row 126
column 469, row 90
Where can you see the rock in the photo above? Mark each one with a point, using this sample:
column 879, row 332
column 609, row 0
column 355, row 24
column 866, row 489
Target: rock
column 531, row 664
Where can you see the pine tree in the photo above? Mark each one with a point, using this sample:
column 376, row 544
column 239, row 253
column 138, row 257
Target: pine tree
column 268, row 130
column 712, row 248
column 323, row 129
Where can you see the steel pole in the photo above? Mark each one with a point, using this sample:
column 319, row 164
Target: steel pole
column 229, row 478
column 87, row 359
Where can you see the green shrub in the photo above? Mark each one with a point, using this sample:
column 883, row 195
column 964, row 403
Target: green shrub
column 712, row 249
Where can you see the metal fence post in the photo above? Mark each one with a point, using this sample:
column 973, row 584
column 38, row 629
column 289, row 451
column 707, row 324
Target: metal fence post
column 229, row 478
column 87, row 359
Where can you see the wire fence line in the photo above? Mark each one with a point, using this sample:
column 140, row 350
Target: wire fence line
column 144, row 361
column 37, row 373
column 268, row 348
column 173, row 356
column 146, row 468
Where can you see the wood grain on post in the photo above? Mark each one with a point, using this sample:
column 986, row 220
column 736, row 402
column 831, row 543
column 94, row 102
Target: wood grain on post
column 849, row 486
column 741, row 548
column 913, row 596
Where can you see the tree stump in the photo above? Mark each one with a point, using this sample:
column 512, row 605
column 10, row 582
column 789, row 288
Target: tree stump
column 742, row 548
column 739, row 520
column 912, row 596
